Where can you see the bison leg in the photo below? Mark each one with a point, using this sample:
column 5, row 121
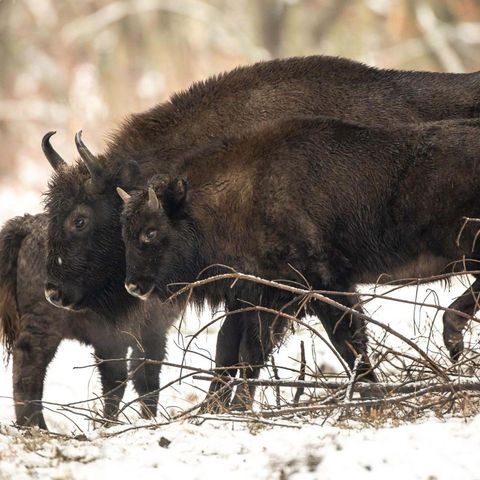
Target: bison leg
column 453, row 324
column 113, row 374
column 33, row 351
column 348, row 334
column 261, row 333
column 146, row 377
column 244, row 343
column 226, row 358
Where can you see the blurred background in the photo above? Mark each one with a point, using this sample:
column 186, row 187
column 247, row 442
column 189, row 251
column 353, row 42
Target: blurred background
column 69, row 64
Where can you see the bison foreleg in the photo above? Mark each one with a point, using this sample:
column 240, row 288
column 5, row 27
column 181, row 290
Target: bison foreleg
column 226, row 359
column 263, row 331
column 113, row 375
column 146, row 377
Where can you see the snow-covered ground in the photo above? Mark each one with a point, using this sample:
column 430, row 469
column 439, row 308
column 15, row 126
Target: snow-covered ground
column 429, row 448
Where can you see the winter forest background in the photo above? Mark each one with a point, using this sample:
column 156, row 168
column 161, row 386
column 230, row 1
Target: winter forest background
column 67, row 65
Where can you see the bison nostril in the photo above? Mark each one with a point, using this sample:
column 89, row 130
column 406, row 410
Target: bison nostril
column 52, row 294
column 133, row 288
column 137, row 291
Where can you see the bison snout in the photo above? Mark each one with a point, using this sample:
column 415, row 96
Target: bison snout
column 57, row 298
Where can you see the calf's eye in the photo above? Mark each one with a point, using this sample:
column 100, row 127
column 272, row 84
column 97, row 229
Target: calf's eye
column 149, row 235
column 80, row 223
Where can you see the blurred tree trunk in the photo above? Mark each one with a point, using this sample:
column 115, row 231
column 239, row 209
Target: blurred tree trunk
column 5, row 44
column 272, row 22
column 434, row 38
column 330, row 11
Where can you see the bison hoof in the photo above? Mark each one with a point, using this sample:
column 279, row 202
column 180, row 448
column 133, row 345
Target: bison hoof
column 456, row 351
column 374, row 393
column 148, row 412
column 212, row 406
column 453, row 340
column 239, row 407
column 241, row 403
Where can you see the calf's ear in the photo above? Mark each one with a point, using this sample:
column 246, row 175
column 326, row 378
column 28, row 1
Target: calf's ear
column 174, row 195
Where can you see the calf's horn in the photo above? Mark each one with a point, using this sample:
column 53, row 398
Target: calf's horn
column 54, row 159
column 123, row 195
column 152, row 199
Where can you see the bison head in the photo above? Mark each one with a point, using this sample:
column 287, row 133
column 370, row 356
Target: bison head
column 160, row 238
column 85, row 265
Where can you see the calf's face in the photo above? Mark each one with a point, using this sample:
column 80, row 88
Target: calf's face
column 85, row 264
column 158, row 237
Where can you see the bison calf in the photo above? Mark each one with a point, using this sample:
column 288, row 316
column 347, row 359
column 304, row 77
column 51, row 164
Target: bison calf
column 338, row 202
column 32, row 329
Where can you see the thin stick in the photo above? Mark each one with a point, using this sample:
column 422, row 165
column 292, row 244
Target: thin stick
column 360, row 387
column 277, row 387
column 301, row 377
column 351, row 382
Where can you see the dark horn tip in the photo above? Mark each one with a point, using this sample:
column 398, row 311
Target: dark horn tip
column 55, row 160
column 78, row 138
column 47, row 136
column 88, row 157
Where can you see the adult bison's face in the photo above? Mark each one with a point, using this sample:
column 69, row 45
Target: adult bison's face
column 85, row 264
column 160, row 239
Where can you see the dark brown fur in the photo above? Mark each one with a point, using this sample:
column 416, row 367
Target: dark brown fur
column 338, row 202
column 32, row 329
column 150, row 142
column 93, row 268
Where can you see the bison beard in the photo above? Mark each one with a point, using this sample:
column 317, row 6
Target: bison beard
column 92, row 267
column 340, row 203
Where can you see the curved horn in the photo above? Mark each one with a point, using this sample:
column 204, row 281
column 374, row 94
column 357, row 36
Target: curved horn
column 54, row 159
column 88, row 157
column 123, row 195
column 152, row 199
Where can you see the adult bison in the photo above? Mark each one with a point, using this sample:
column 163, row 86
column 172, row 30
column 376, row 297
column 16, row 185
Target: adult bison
column 31, row 329
column 86, row 266
column 337, row 202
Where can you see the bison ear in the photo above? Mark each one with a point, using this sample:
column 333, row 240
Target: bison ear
column 174, row 195
column 129, row 174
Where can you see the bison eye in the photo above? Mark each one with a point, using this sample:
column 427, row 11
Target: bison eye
column 80, row 223
column 149, row 235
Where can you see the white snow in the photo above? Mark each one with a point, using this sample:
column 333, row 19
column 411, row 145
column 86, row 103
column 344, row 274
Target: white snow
column 429, row 448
